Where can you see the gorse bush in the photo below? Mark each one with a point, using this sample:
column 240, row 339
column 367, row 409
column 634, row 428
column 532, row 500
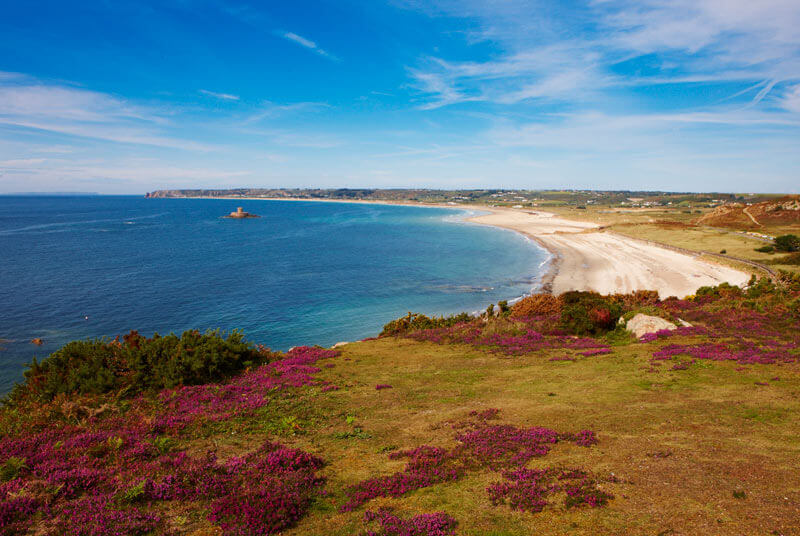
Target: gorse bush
column 138, row 363
column 722, row 290
column 417, row 321
column 536, row 305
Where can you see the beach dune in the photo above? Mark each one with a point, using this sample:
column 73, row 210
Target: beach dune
column 588, row 258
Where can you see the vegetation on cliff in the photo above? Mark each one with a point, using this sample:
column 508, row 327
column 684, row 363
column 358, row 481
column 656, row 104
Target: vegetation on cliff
column 547, row 418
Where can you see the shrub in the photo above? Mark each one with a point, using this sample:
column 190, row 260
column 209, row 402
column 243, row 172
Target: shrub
column 418, row 321
column 138, row 364
column 759, row 287
column 504, row 308
column 720, row 291
column 787, row 243
column 587, row 313
column 638, row 298
column 766, row 249
column 536, row 305
column 791, row 259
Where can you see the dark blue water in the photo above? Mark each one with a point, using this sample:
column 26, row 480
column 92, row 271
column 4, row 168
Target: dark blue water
column 303, row 273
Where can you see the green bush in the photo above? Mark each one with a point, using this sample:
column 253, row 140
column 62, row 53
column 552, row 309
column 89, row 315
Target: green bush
column 418, row 321
column 766, row 249
column 759, row 287
column 505, row 310
column 787, row 243
column 588, row 313
column 138, row 363
column 721, row 290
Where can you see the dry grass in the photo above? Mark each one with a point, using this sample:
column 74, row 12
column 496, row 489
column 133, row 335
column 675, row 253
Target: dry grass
column 682, row 442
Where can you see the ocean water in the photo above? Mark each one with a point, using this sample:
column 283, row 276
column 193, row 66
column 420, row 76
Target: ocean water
column 303, row 273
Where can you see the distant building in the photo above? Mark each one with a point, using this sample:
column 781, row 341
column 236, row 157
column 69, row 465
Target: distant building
column 241, row 214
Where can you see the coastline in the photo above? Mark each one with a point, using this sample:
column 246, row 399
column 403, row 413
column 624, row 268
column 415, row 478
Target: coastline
column 582, row 255
column 586, row 257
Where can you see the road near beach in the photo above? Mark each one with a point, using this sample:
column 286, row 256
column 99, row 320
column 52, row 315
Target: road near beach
column 588, row 258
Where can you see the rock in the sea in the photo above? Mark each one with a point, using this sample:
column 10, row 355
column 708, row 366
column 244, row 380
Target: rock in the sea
column 37, row 341
column 641, row 324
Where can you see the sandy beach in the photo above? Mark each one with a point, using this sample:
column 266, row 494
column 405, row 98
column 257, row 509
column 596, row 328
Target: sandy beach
column 588, row 258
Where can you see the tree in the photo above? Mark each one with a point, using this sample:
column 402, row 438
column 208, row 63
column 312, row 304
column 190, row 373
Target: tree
column 787, row 243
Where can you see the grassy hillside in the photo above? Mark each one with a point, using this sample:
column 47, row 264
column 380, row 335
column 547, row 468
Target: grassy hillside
column 544, row 420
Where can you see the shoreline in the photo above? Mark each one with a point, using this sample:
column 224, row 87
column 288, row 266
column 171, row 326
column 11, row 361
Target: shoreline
column 582, row 255
column 590, row 258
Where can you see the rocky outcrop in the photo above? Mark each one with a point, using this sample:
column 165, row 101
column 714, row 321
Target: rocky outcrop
column 642, row 324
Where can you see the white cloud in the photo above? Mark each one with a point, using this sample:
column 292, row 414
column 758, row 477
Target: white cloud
column 270, row 109
column 87, row 114
column 66, row 103
column 307, row 43
column 791, row 99
column 221, row 96
column 567, row 52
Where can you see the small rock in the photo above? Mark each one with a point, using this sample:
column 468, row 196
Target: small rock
column 641, row 324
column 339, row 344
column 37, row 341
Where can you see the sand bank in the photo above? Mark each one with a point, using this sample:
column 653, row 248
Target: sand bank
column 587, row 258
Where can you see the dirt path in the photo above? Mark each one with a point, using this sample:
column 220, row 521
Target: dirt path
column 751, row 216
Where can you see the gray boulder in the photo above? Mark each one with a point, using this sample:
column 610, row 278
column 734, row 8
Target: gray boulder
column 641, row 324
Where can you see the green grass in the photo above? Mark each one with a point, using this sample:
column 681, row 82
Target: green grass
column 723, row 433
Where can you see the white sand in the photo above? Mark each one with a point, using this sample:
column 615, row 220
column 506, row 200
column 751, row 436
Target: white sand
column 592, row 259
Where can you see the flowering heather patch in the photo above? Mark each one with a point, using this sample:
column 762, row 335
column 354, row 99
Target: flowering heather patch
column 329, row 387
column 680, row 330
column 98, row 516
column 485, row 415
column 528, row 489
column 485, row 446
column 381, row 386
column 268, row 491
column 84, row 479
column 518, row 342
column 244, row 394
column 598, row 351
column 435, row 524
column 748, row 331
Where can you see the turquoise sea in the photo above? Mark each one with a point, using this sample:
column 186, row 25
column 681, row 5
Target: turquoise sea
column 303, row 273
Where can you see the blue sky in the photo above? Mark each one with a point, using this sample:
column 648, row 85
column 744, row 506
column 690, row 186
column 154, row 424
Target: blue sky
column 126, row 97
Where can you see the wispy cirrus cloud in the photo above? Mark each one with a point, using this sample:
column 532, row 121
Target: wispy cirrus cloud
column 220, row 96
column 542, row 57
column 269, row 110
column 76, row 112
column 307, row 43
